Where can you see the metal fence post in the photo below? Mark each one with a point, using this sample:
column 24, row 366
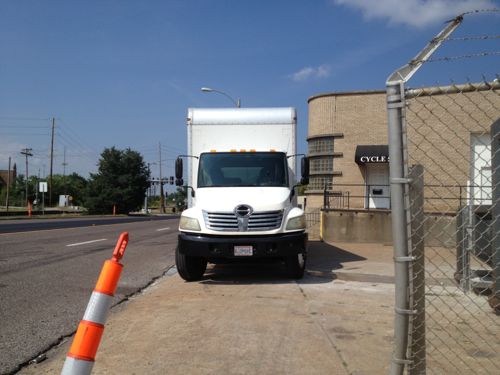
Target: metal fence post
column 321, row 221
column 368, row 197
column 460, row 239
column 494, row 300
column 395, row 87
column 395, row 104
column 469, row 246
column 417, row 346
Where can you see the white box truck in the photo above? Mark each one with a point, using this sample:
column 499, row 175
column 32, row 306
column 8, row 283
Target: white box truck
column 241, row 190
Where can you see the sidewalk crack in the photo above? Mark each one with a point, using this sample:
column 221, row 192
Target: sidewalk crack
column 328, row 337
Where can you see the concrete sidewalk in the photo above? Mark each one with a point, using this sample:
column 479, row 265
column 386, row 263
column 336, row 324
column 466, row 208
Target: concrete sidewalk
column 252, row 319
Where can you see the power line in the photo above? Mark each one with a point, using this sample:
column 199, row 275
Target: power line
column 82, row 152
column 174, row 149
column 23, row 126
column 19, row 118
column 26, row 127
column 73, row 135
column 23, row 134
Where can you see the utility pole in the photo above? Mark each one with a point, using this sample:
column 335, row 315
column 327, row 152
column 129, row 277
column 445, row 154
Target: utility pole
column 8, row 187
column 146, row 196
column 26, row 152
column 162, row 198
column 64, row 164
column 51, row 159
column 148, row 191
column 37, row 184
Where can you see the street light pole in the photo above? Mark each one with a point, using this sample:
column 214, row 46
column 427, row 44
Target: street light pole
column 237, row 103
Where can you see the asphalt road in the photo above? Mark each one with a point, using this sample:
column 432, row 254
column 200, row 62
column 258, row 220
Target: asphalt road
column 13, row 226
column 47, row 276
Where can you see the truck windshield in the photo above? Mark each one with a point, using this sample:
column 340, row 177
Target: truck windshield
column 243, row 169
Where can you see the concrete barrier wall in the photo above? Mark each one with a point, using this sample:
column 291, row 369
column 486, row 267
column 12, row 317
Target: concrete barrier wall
column 357, row 226
column 376, row 226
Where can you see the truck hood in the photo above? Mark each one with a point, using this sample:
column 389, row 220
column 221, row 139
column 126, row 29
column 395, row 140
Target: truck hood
column 225, row 199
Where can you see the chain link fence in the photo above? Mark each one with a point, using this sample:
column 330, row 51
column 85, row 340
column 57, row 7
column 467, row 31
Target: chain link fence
column 450, row 131
column 445, row 184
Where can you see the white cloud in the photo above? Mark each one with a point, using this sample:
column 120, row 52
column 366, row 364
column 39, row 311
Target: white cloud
column 309, row 72
column 416, row 13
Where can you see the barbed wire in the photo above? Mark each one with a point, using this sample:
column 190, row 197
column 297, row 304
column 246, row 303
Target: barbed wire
column 492, row 10
column 464, row 38
column 453, row 58
column 471, row 37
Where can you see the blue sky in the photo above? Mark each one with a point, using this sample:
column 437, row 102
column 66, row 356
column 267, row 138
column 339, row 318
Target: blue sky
column 123, row 73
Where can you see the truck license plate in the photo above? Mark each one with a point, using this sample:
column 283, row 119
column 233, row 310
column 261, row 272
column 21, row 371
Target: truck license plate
column 243, row 251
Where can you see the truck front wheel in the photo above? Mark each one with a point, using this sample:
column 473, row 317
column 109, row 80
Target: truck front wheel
column 190, row 268
column 295, row 265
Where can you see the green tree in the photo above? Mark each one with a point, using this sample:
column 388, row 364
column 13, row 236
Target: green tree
column 121, row 181
column 73, row 185
column 301, row 189
column 178, row 199
column 16, row 192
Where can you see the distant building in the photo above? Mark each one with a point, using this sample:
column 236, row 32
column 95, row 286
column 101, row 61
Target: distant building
column 4, row 176
column 348, row 147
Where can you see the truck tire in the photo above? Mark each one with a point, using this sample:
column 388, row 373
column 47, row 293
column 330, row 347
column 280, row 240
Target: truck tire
column 190, row 268
column 295, row 265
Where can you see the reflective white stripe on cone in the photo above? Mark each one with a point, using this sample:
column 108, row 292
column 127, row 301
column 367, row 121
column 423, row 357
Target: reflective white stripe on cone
column 73, row 366
column 98, row 308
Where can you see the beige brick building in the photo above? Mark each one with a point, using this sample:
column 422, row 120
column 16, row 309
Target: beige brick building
column 448, row 133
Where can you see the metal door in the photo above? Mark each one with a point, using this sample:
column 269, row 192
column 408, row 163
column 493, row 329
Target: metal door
column 481, row 186
column 377, row 186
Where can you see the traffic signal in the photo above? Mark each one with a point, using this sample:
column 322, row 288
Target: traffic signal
column 171, row 180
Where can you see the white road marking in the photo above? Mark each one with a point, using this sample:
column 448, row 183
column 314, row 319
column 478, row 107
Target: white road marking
column 161, row 229
column 86, row 242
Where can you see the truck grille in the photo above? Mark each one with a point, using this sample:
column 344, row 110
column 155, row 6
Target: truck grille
column 257, row 221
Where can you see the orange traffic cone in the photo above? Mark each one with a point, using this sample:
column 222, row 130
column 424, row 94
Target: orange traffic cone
column 81, row 355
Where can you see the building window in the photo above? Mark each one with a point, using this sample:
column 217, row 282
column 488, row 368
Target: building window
column 321, row 153
column 319, row 183
column 321, row 145
column 321, row 165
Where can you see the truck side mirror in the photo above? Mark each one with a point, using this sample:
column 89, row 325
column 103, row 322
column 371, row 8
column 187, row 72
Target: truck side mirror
column 304, row 170
column 178, row 169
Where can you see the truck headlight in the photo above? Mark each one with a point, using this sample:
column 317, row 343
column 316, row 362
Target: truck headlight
column 189, row 223
column 295, row 223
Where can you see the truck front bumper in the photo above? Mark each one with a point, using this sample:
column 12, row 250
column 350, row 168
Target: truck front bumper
column 270, row 246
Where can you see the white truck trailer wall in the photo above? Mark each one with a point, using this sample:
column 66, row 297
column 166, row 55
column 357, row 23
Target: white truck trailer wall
column 226, row 129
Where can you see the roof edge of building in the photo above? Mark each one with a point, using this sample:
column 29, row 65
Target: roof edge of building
column 422, row 91
column 346, row 93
